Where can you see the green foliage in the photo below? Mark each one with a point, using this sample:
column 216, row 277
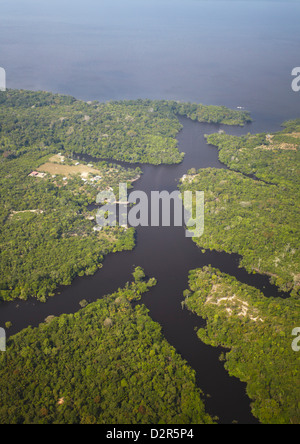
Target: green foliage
column 46, row 231
column 272, row 158
column 213, row 114
column 46, row 234
column 132, row 131
column 255, row 218
column 257, row 330
column 107, row 364
column 138, row 274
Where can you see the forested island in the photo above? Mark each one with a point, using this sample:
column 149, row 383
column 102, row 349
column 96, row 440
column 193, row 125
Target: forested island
column 257, row 330
column 107, row 364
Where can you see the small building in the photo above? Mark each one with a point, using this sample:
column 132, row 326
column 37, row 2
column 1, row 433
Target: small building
column 37, row 174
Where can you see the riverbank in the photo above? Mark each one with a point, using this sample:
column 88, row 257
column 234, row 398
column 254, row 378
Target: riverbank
column 166, row 254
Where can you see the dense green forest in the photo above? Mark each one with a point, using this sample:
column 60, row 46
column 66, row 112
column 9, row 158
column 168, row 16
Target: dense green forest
column 137, row 131
column 257, row 219
column 133, row 131
column 273, row 158
column 252, row 209
column 46, row 232
column 258, row 332
column 107, row 364
column 212, row 114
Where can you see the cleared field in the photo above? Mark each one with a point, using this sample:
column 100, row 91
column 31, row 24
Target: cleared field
column 67, row 170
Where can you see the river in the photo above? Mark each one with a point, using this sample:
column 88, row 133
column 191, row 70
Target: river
column 233, row 53
column 166, row 254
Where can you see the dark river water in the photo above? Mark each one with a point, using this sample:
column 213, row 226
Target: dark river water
column 219, row 52
column 165, row 253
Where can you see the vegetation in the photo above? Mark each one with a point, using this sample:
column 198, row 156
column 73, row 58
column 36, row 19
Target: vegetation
column 213, row 114
column 251, row 209
column 134, row 131
column 46, row 232
column 257, row 219
column 258, row 332
column 272, row 158
column 107, row 364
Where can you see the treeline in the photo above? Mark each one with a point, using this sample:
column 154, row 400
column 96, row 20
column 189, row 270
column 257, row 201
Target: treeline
column 31, row 99
column 258, row 332
column 213, row 114
column 107, row 364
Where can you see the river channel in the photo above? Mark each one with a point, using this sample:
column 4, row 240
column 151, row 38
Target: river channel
column 166, row 254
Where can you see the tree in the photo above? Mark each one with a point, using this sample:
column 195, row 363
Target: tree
column 138, row 274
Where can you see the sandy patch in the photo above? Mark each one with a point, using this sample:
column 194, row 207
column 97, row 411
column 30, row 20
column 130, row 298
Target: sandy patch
column 13, row 213
column 67, row 170
column 297, row 135
column 233, row 302
column 281, row 146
